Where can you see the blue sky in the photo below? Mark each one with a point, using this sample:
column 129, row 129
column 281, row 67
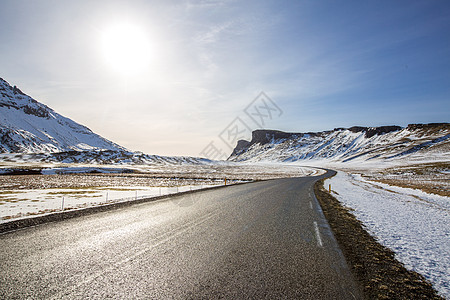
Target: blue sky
column 326, row 64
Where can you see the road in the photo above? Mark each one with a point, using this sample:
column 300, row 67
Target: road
column 261, row 240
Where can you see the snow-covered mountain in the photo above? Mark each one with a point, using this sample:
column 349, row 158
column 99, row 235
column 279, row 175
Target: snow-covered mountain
column 117, row 157
column 32, row 132
column 27, row 126
column 356, row 144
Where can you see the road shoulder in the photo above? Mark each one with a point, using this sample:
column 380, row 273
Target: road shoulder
column 374, row 266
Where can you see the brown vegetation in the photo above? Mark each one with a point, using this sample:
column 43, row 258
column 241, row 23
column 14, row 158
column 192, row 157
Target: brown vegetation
column 431, row 178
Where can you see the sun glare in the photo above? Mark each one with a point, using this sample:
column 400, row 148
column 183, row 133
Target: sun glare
column 126, row 48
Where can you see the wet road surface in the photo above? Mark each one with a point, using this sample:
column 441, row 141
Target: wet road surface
column 261, row 240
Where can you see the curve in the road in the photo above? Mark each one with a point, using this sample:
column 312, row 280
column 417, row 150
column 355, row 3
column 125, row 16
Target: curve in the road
column 264, row 240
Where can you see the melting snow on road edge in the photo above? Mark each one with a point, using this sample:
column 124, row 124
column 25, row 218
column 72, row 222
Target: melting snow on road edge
column 414, row 224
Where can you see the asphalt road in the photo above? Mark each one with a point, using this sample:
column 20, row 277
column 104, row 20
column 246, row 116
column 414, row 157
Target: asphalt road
column 262, row 240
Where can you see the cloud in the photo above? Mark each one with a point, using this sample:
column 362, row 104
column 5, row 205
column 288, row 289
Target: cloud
column 213, row 34
column 216, row 56
column 206, row 4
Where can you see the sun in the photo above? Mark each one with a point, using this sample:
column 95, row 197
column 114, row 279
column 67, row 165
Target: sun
column 126, row 48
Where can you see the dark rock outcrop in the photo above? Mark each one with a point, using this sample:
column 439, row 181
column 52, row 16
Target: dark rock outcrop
column 39, row 111
column 241, row 145
column 429, row 126
column 263, row 136
column 372, row 131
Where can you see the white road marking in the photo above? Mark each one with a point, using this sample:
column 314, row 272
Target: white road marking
column 310, row 204
column 319, row 239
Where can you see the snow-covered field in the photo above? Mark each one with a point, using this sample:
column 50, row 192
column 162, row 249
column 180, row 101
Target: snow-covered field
column 412, row 223
column 214, row 169
column 15, row 204
column 68, row 187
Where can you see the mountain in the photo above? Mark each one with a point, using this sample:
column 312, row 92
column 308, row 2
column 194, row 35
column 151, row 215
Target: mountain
column 101, row 157
column 27, row 126
column 356, row 144
column 32, row 132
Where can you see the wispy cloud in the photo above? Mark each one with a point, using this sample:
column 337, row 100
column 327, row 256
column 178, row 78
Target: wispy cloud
column 217, row 55
column 214, row 33
column 202, row 4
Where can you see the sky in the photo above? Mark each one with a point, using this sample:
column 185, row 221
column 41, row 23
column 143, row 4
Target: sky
column 186, row 77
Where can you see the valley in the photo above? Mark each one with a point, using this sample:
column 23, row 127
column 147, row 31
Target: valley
column 394, row 180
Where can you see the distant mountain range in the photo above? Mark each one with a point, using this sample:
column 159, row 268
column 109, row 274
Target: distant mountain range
column 416, row 142
column 31, row 131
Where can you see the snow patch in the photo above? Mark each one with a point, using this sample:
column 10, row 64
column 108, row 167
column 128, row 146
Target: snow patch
column 412, row 223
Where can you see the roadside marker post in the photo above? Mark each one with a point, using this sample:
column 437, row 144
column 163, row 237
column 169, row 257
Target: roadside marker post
column 62, row 204
column 329, row 188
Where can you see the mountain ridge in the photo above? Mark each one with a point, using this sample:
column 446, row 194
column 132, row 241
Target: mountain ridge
column 356, row 143
column 28, row 126
column 31, row 131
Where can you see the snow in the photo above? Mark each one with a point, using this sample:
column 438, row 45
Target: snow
column 29, row 195
column 412, row 223
column 29, row 126
column 344, row 145
column 99, row 157
column 17, row 204
column 79, row 170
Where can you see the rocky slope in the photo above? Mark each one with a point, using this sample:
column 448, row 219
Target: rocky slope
column 117, row 157
column 356, row 144
column 32, row 132
column 27, row 126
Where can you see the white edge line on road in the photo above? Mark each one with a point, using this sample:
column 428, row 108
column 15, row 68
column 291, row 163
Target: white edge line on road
column 319, row 239
column 310, row 205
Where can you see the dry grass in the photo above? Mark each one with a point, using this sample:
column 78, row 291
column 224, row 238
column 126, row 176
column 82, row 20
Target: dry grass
column 80, row 181
column 428, row 187
column 170, row 176
column 433, row 178
column 71, row 192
